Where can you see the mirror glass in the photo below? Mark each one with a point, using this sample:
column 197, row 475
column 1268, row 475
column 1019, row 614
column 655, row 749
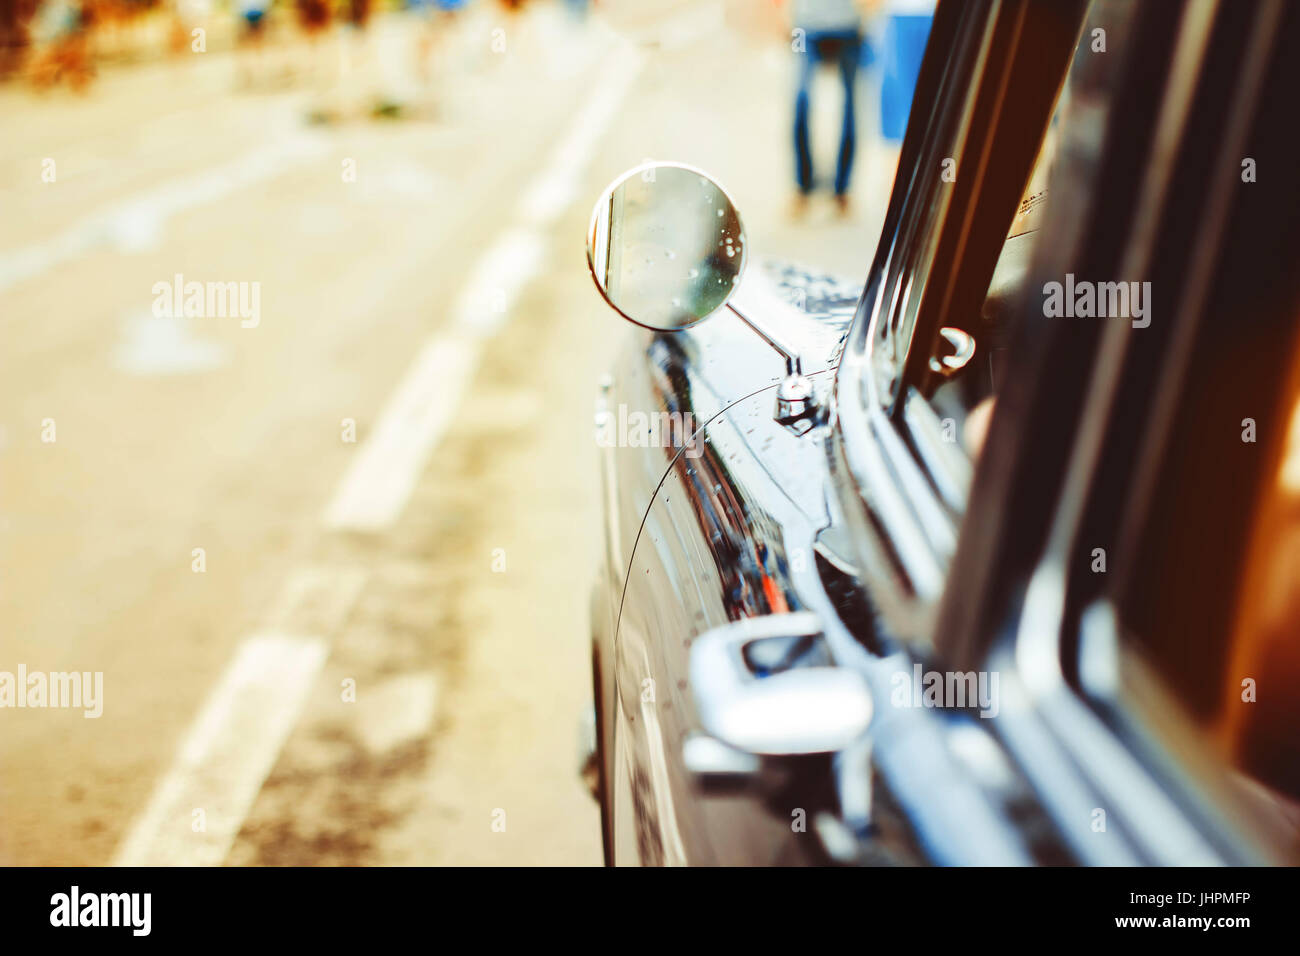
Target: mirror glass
column 665, row 246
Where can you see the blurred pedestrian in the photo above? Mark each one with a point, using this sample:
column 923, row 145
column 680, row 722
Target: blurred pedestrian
column 62, row 27
column 314, row 20
column 358, row 13
column 253, row 15
column 15, row 33
column 252, row 39
column 438, row 17
column 825, row 32
column 313, row 17
column 353, row 80
column 188, row 16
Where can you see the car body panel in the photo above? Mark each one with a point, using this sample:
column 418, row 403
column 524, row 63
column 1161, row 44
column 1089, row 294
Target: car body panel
column 956, row 576
column 691, row 523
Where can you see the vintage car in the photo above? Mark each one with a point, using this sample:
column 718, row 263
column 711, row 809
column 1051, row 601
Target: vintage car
column 994, row 558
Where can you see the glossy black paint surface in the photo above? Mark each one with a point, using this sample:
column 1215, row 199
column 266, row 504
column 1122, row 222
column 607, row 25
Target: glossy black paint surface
column 702, row 535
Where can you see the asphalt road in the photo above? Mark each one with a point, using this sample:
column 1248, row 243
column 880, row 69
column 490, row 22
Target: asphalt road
column 330, row 551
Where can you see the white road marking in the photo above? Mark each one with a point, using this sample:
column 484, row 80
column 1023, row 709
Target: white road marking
column 380, row 480
column 227, row 754
column 398, row 711
column 136, row 224
column 232, row 745
column 386, row 468
column 316, row 599
column 557, row 186
column 166, row 346
column 237, row 737
column 501, row 274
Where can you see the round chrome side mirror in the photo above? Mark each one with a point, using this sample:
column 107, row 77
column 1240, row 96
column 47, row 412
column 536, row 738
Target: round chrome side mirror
column 666, row 246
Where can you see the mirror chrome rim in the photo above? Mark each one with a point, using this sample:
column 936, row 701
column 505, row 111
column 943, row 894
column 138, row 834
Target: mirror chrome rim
column 604, row 198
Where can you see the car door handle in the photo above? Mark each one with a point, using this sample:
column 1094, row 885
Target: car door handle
column 958, row 350
column 791, row 711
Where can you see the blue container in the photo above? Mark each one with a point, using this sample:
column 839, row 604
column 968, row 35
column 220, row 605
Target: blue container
column 904, row 47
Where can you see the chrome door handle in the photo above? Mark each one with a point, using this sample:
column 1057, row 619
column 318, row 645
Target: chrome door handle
column 801, row 710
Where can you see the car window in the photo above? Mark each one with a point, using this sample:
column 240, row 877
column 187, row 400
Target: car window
column 989, row 83
column 937, row 133
column 1187, row 527
column 962, row 393
column 966, row 397
column 1262, row 730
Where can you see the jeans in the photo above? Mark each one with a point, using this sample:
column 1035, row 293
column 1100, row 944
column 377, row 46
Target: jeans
column 842, row 49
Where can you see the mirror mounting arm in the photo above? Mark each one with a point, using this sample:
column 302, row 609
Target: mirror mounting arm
column 793, row 364
column 797, row 405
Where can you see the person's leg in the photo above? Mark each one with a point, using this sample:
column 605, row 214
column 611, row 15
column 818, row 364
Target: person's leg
column 803, row 172
column 849, row 53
